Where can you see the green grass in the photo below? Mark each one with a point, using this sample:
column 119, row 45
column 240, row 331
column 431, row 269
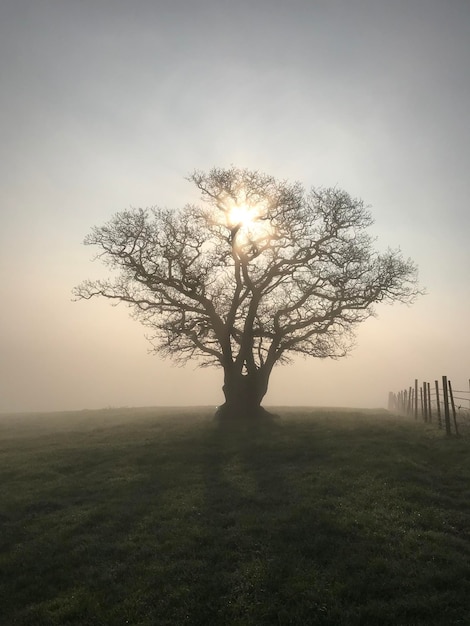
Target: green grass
column 157, row 516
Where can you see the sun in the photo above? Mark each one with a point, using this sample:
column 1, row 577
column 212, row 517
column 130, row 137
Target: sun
column 242, row 215
column 249, row 225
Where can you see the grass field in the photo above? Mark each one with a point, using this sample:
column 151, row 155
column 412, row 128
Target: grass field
column 162, row 517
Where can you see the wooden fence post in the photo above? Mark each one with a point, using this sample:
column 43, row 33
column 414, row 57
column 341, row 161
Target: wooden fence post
column 425, row 401
column 416, row 398
column 453, row 408
column 439, row 418
column 429, row 401
column 445, row 393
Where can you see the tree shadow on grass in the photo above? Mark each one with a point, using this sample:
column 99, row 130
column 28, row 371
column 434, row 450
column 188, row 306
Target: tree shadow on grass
column 260, row 529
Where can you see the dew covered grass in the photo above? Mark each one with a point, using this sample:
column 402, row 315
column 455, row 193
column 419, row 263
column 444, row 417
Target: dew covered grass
column 165, row 517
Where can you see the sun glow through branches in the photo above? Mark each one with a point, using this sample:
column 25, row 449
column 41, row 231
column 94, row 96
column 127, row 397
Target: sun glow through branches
column 242, row 215
column 249, row 222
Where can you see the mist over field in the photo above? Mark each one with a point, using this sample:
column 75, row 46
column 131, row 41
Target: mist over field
column 110, row 105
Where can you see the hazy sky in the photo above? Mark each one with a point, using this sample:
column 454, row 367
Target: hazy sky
column 107, row 104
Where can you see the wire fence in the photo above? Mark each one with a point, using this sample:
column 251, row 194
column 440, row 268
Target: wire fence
column 439, row 403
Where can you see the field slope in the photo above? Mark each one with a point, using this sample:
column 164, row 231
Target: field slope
column 161, row 517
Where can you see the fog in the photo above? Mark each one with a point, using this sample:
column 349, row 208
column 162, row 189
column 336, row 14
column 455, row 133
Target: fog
column 110, row 105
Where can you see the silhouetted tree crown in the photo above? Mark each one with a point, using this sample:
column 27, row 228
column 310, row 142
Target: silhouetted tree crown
column 261, row 271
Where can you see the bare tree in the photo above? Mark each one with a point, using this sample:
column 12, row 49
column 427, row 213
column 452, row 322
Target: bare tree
column 260, row 272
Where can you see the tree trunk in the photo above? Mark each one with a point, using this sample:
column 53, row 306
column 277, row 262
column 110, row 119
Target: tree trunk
column 243, row 395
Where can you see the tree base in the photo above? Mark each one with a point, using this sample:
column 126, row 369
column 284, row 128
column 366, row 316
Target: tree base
column 233, row 414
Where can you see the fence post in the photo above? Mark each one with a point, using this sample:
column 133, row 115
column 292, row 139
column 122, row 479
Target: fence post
column 453, row 408
column 416, row 398
column 429, row 401
column 439, row 418
column 425, row 401
column 445, row 393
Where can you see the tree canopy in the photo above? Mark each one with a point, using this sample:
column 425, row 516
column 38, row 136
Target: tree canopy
column 260, row 271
